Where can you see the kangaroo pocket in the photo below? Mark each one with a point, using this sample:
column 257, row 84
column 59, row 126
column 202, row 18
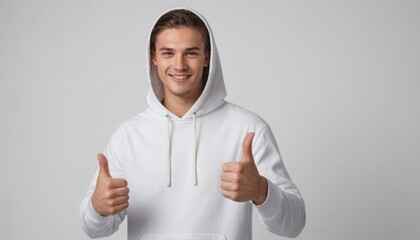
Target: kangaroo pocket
column 183, row 237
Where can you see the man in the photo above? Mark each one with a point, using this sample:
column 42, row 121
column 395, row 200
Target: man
column 189, row 176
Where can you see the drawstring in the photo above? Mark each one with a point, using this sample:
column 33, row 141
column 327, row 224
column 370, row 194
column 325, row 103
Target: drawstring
column 168, row 150
column 194, row 150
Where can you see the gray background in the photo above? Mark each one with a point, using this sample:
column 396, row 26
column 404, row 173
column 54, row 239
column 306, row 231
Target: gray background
column 336, row 80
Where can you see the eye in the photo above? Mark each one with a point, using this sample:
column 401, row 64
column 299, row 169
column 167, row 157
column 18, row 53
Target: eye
column 192, row 54
column 167, row 53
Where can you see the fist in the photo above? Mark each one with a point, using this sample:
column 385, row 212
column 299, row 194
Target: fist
column 111, row 194
column 241, row 181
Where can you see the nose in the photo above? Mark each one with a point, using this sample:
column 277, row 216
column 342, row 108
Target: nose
column 180, row 63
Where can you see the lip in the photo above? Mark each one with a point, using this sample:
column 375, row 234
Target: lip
column 180, row 77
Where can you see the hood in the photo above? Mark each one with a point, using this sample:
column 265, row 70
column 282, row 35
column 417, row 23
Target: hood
column 214, row 91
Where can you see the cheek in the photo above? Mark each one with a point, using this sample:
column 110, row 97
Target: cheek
column 162, row 66
column 198, row 65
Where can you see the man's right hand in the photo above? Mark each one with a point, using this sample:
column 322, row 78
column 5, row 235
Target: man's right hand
column 111, row 194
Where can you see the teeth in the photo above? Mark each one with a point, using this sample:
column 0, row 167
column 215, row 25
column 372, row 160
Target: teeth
column 180, row 77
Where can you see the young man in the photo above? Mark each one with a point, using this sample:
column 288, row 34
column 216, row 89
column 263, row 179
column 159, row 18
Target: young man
column 195, row 164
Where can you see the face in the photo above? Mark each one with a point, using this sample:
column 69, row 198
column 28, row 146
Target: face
column 180, row 59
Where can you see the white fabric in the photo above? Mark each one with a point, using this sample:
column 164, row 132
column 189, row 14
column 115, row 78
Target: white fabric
column 153, row 152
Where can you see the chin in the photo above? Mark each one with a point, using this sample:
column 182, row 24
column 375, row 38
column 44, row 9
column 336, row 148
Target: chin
column 181, row 94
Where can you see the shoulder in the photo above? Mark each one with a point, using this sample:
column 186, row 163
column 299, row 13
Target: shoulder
column 244, row 120
column 137, row 123
column 242, row 114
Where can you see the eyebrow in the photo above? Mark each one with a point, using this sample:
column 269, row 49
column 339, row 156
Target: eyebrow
column 171, row 49
column 193, row 49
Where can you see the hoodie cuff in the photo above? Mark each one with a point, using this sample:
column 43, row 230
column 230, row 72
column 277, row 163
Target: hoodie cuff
column 94, row 216
column 268, row 209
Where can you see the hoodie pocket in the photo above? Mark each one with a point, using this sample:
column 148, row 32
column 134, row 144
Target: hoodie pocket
column 184, row 237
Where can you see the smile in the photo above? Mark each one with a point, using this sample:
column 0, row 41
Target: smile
column 180, row 77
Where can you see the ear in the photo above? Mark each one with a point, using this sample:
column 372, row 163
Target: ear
column 153, row 56
column 207, row 60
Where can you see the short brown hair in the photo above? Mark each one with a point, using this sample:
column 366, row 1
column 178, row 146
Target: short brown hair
column 180, row 18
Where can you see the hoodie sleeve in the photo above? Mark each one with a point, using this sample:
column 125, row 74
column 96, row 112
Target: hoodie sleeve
column 95, row 225
column 283, row 211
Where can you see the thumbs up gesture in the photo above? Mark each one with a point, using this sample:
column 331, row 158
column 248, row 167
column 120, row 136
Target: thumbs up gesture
column 241, row 181
column 111, row 194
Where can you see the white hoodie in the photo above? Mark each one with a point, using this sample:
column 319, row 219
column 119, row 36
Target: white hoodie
column 173, row 167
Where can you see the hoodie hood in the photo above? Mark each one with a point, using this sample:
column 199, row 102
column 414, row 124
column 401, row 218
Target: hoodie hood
column 214, row 91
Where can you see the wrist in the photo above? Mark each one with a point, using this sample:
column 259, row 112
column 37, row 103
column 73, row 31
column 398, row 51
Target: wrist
column 94, row 213
column 262, row 192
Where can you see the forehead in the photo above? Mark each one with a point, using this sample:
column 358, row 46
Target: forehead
column 182, row 37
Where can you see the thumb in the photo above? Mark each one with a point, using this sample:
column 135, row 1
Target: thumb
column 247, row 147
column 103, row 165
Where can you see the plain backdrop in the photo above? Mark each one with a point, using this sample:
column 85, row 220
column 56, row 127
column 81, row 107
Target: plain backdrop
column 338, row 82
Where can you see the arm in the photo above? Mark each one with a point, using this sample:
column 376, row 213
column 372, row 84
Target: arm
column 95, row 225
column 260, row 177
column 283, row 211
column 104, row 206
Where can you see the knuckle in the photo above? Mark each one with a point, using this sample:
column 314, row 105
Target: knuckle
column 113, row 210
column 235, row 177
column 108, row 194
column 235, row 196
column 224, row 168
column 224, row 194
column 108, row 184
column 125, row 182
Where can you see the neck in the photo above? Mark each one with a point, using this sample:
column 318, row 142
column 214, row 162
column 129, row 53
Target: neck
column 179, row 105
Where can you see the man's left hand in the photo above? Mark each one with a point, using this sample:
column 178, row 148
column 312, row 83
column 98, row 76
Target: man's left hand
column 241, row 181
